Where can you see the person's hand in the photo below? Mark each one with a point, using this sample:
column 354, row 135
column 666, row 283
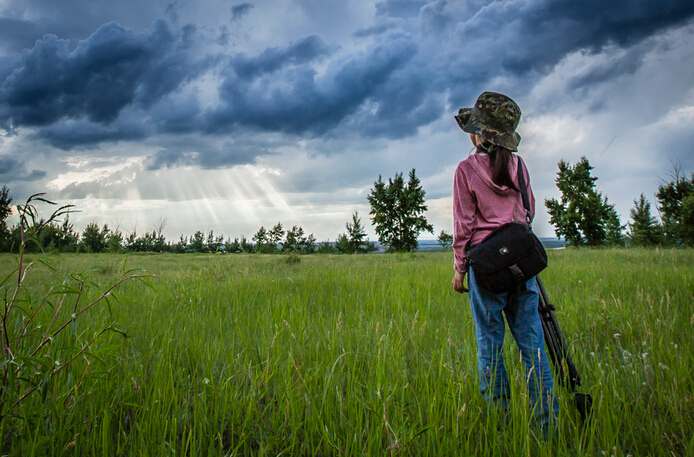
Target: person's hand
column 458, row 282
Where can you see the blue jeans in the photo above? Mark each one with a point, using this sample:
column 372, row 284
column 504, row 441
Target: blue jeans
column 526, row 327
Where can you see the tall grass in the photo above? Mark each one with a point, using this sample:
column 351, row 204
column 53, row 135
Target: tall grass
column 358, row 355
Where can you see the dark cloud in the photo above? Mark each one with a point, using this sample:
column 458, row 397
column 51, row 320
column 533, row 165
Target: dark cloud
column 122, row 85
column 543, row 33
column 306, row 50
column 399, row 8
column 110, row 70
column 67, row 135
column 480, row 41
column 238, row 11
column 296, row 100
column 12, row 170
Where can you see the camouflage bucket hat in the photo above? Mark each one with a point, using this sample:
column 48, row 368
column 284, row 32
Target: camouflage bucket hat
column 495, row 117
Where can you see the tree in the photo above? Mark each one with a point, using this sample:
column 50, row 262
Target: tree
column 644, row 230
column 295, row 242
column 263, row 242
column 93, row 239
column 5, row 211
column 397, row 211
column 214, row 244
column 354, row 241
column 687, row 220
column 275, row 235
column 614, row 230
column 677, row 224
column 114, row 241
column 326, row 247
column 197, row 242
column 158, row 238
column 583, row 215
column 445, row 239
column 181, row 246
column 54, row 236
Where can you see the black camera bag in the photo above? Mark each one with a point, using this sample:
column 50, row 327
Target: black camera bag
column 510, row 255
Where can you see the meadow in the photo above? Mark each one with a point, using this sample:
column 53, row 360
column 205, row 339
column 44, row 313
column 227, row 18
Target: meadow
column 336, row 355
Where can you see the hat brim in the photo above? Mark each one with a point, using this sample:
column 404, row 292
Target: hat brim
column 469, row 122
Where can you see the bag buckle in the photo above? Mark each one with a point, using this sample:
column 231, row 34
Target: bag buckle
column 516, row 272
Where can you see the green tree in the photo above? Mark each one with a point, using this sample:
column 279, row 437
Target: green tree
column 583, row 215
column 114, row 242
column 214, row 244
column 197, row 242
column 245, row 245
column 263, row 241
column 296, row 242
column 644, row 230
column 678, row 227
column 93, row 239
column 614, row 230
column 181, row 245
column 326, row 247
column 354, row 241
column 397, row 211
column 687, row 220
column 5, row 211
column 60, row 237
column 275, row 235
column 445, row 239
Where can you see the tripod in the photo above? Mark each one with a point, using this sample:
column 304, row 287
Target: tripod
column 558, row 353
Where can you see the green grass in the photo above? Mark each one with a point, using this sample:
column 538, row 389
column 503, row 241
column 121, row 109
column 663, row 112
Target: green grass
column 354, row 355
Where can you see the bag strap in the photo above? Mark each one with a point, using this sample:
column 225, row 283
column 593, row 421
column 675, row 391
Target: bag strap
column 524, row 192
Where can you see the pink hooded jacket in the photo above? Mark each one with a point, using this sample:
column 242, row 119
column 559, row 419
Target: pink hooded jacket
column 480, row 206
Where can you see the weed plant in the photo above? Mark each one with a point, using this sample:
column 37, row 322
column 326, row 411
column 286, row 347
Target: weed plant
column 358, row 355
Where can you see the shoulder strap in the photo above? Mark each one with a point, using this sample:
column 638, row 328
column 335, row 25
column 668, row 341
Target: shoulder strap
column 524, row 191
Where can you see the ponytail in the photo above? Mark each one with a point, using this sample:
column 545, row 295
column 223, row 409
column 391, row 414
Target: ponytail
column 499, row 159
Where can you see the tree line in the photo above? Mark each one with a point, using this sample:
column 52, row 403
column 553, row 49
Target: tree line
column 397, row 210
column 583, row 216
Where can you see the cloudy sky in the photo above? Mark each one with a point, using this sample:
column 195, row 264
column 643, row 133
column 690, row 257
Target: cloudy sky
column 227, row 115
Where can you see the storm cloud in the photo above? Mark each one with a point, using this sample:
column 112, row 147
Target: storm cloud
column 391, row 88
column 219, row 85
column 110, row 70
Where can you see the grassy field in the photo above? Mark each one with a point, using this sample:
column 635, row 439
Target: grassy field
column 344, row 356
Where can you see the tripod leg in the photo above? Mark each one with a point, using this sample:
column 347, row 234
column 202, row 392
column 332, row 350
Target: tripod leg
column 559, row 354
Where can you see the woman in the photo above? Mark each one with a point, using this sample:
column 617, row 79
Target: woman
column 486, row 195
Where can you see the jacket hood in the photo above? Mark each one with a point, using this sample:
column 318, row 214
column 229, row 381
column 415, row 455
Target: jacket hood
column 480, row 163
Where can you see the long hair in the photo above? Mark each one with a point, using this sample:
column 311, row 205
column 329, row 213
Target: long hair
column 499, row 159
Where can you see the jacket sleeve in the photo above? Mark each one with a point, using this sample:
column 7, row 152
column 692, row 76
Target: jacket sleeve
column 464, row 207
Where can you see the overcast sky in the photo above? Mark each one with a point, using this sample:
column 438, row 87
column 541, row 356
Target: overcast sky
column 225, row 116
